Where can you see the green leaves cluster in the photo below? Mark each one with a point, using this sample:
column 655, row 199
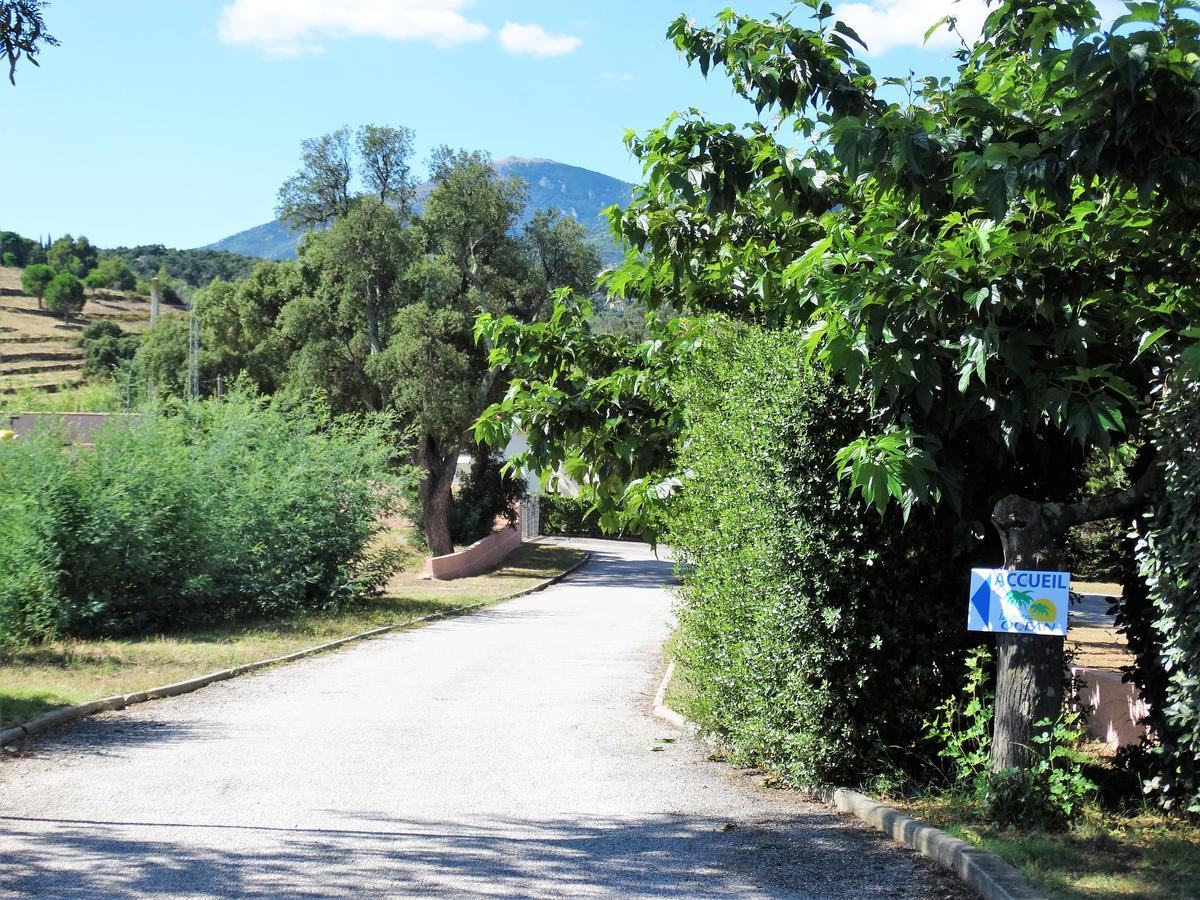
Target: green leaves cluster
column 190, row 516
column 816, row 637
column 1004, row 258
column 1049, row 794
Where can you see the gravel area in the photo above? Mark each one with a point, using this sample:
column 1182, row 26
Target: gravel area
column 507, row 753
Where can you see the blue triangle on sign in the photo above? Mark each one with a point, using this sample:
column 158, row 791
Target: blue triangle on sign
column 981, row 600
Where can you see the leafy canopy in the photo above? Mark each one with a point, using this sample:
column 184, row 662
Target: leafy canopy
column 1005, row 258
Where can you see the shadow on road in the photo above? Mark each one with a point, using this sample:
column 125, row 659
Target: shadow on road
column 656, row 856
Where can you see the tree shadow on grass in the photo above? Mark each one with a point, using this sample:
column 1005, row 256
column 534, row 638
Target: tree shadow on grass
column 17, row 707
column 645, row 856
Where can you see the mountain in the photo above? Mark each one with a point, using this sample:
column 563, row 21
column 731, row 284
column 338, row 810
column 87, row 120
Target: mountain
column 552, row 185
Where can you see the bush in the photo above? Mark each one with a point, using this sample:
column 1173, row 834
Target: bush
column 8, row 259
column 1049, row 795
column 113, row 273
column 200, row 514
column 105, row 347
column 565, row 516
column 485, row 495
column 1164, row 630
column 818, row 636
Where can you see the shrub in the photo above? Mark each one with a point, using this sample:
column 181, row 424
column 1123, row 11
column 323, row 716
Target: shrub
column 567, row 517
column 1164, row 629
column 199, row 514
column 817, row 634
column 105, row 346
column 8, row 259
column 113, row 273
column 485, row 495
column 1050, row 794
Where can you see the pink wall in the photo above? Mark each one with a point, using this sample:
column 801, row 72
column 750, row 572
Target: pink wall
column 479, row 557
column 1115, row 706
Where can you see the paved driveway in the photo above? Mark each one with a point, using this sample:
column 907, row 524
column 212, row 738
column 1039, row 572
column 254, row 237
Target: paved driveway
column 508, row 753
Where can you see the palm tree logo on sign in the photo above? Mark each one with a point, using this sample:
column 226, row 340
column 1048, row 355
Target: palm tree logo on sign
column 1019, row 601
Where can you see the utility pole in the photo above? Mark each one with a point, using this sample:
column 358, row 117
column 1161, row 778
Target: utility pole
column 153, row 300
column 193, row 353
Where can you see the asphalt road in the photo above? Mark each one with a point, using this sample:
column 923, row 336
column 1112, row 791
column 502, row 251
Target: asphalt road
column 508, row 753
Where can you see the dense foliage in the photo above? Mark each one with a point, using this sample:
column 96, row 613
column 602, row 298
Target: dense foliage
column 105, row 346
column 816, row 636
column 1171, row 564
column 23, row 251
column 378, row 311
column 64, row 295
column 192, row 515
column 195, row 268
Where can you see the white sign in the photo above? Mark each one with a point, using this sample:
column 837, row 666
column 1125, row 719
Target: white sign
column 1018, row 601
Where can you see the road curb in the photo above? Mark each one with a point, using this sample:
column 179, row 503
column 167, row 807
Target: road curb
column 67, row 714
column 984, row 872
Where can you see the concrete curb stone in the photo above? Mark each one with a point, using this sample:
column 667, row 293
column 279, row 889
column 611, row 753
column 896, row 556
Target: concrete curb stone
column 67, row 714
column 984, row 872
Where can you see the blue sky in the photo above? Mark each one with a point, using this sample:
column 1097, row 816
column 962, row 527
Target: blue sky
column 175, row 121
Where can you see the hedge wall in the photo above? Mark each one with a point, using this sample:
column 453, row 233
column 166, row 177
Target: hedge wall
column 817, row 635
column 1169, row 661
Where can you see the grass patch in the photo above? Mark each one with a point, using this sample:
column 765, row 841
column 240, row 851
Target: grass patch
column 59, row 673
column 1110, row 855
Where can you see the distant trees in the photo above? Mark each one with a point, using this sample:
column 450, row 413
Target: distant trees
column 22, row 33
column 76, row 256
column 35, row 279
column 24, row 251
column 195, row 268
column 111, row 272
column 64, row 295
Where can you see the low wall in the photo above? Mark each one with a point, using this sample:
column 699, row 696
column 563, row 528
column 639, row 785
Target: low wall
column 479, row 557
column 1116, row 708
column 78, row 428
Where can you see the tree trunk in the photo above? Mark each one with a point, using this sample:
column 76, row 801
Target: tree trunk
column 1029, row 668
column 435, row 492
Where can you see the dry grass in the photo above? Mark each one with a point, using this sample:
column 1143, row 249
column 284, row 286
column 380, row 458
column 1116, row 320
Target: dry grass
column 71, row 671
column 1099, row 648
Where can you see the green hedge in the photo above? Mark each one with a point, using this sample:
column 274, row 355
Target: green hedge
column 563, row 516
column 817, row 635
column 1168, row 640
column 199, row 514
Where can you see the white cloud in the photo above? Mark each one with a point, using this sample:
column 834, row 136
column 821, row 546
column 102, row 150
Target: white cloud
column 295, row 27
column 885, row 24
column 535, row 40
column 616, row 76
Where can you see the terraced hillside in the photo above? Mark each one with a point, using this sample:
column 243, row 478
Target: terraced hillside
column 37, row 350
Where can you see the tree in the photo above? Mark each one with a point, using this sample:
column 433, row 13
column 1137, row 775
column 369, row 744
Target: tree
column 78, row 257
column 64, row 295
column 1005, row 259
column 22, row 33
column 320, row 191
column 385, row 155
column 35, row 279
column 111, row 272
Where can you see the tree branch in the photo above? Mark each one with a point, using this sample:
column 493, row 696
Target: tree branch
column 1061, row 516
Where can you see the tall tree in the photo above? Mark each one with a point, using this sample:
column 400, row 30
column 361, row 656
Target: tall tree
column 22, row 33
column 320, row 191
column 385, row 167
column 1005, row 258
